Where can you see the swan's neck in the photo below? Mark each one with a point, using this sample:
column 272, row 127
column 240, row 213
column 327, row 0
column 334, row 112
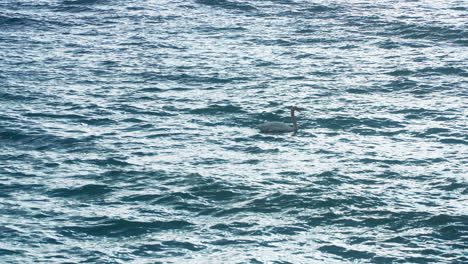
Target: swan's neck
column 294, row 121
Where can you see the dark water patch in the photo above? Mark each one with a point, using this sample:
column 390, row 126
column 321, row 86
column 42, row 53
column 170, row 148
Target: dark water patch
column 311, row 41
column 82, row 2
column 8, row 97
column 416, row 162
column 445, row 220
column 18, row 187
column 251, row 161
column 148, row 249
column 422, row 31
column 6, row 252
column 385, row 260
column 453, row 141
column 384, row 161
column 401, row 73
column 434, row 131
column 12, row 135
column 395, row 221
column 178, row 198
column 218, row 109
column 442, row 71
column 109, row 162
column 311, row 189
column 273, row 42
column 463, row 42
column 166, row 134
column 142, row 197
column 213, row 29
column 281, row 262
column 56, row 116
column 125, row 228
column 277, row 202
column 89, row 190
column 357, row 91
column 152, row 90
column 288, row 230
column 182, row 245
column 291, row 173
column 138, row 177
column 346, row 253
column 17, row 21
column 227, row 5
column 172, row 46
column 241, row 229
column 233, row 226
column 453, row 232
column 40, row 140
column 388, row 44
column 214, row 191
column 391, row 220
column 398, row 240
column 348, row 47
column 402, row 84
column 227, row 242
column 450, row 185
column 8, row 233
column 421, row 260
column 190, row 79
column 138, row 111
column 459, row 8
column 432, row 32
column 315, row 8
column 209, row 161
column 347, row 122
column 365, row 131
column 327, row 178
column 136, row 120
column 420, row 113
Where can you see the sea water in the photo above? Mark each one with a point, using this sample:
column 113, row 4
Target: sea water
column 128, row 131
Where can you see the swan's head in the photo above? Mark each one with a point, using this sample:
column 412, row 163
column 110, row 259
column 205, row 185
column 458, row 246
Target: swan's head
column 295, row 109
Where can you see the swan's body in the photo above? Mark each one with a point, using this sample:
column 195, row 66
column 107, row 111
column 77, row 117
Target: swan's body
column 275, row 127
column 279, row 127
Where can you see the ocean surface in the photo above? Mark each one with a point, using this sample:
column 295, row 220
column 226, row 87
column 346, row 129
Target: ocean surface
column 128, row 131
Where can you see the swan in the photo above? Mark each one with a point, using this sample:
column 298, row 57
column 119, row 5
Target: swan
column 279, row 127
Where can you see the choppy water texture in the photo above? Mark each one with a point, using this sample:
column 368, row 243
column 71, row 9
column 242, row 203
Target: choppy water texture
column 127, row 131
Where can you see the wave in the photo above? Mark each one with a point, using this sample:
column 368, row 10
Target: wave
column 347, row 122
column 430, row 71
column 408, row 30
column 6, row 252
column 347, row 252
column 41, row 140
column 280, row 202
column 188, row 78
column 227, row 5
column 218, row 109
column 8, row 97
column 82, row 2
column 88, row 191
column 122, row 228
column 17, row 21
column 149, row 249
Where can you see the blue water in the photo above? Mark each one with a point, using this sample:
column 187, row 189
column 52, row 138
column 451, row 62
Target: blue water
column 128, row 131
